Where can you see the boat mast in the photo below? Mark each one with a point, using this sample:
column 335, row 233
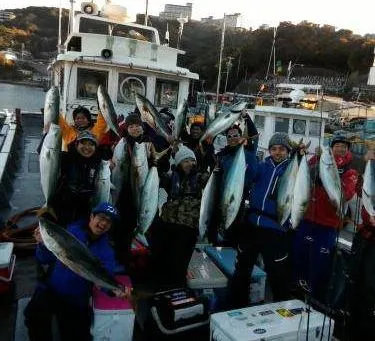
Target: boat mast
column 146, row 14
column 220, row 61
column 71, row 16
column 59, row 38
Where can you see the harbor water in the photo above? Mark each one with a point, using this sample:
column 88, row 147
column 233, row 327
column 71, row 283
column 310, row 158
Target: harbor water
column 30, row 99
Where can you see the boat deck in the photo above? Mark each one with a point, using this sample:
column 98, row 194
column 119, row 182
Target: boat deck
column 26, row 193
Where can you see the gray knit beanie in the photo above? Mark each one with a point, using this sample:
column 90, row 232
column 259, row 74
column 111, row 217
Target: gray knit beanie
column 183, row 154
column 280, row 139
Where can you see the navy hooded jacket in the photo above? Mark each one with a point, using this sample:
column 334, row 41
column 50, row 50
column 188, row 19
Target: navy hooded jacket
column 65, row 282
column 263, row 194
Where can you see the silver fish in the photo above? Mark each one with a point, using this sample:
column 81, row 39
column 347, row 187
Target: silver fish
column 103, row 183
column 180, row 120
column 49, row 162
column 208, row 203
column 120, row 171
column 108, row 110
column 75, row 255
column 368, row 189
column 149, row 201
column 139, row 171
column 51, row 106
column 151, row 115
column 233, row 187
column 285, row 191
column 329, row 175
column 301, row 193
column 220, row 124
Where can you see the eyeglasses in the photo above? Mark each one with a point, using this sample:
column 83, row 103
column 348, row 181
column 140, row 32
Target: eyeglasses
column 229, row 136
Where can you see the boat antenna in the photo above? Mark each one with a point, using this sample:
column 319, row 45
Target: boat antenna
column 167, row 36
column 220, row 60
column 146, row 13
column 182, row 22
column 272, row 54
column 59, row 47
column 71, row 16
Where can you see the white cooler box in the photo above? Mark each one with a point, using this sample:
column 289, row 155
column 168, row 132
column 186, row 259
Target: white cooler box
column 113, row 317
column 7, row 264
column 206, row 279
column 286, row 321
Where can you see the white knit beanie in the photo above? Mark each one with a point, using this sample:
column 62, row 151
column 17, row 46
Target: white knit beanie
column 183, row 154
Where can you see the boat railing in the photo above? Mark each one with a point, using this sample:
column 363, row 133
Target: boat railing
column 8, row 155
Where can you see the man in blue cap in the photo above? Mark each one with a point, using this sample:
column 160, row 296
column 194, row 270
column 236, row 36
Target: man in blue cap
column 63, row 293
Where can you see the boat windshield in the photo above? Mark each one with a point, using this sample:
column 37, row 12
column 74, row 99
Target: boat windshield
column 90, row 25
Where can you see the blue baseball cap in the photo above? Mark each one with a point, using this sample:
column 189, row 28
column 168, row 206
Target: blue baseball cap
column 107, row 209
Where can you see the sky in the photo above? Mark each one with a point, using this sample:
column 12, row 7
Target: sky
column 359, row 17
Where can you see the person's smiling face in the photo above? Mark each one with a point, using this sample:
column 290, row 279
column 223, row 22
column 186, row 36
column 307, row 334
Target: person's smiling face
column 86, row 148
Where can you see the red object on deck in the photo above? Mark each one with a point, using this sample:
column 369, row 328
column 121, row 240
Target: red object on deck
column 7, row 264
column 103, row 302
column 139, row 259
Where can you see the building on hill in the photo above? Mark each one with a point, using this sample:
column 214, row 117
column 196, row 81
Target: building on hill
column 172, row 12
column 371, row 75
column 230, row 20
column 6, row 16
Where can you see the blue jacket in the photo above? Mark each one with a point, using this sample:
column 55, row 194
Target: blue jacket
column 65, row 282
column 263, row 192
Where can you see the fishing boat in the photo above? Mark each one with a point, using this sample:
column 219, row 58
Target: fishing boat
column 103, row 47
column 297, row 110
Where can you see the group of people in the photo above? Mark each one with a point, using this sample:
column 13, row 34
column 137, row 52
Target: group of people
column 290, row 257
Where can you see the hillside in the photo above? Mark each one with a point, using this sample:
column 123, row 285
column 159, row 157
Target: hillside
column 319, row 48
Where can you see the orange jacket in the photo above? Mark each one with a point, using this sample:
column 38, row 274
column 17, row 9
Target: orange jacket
column 69, row 133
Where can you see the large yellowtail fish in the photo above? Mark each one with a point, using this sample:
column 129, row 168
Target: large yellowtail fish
column 329, row 175
column 223, row 121
column 233, row 186
column 285, row 191
column 368, row 189
column 51, row 107
column 208, row 203
column 149, row 201
column 75, row 255
column 151, row 115
column 49, row 162
column 103, row 183
column 108, row 110
column 301, row 193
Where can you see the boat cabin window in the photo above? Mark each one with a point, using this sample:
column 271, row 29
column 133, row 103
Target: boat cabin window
column 75, row 44
column 88, row 82
column 299, row 127
column 281, row 125
column 88, row 25
column 259, row 121
column 128, row 85
column 314, row 128
column 166, row 93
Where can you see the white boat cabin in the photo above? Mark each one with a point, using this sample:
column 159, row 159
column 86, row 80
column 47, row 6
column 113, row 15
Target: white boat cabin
column 295, row 111
column 125, row 58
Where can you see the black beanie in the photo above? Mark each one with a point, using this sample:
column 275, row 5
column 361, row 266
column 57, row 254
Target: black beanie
column 133, row 119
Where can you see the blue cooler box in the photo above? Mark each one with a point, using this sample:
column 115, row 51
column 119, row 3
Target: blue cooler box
column 206, row 279
column 225, row 259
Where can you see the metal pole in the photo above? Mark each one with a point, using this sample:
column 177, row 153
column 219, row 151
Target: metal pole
column 229, row 65
column 220, row 61
column 71, row 16
column 59, row 39
column 146, row 14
